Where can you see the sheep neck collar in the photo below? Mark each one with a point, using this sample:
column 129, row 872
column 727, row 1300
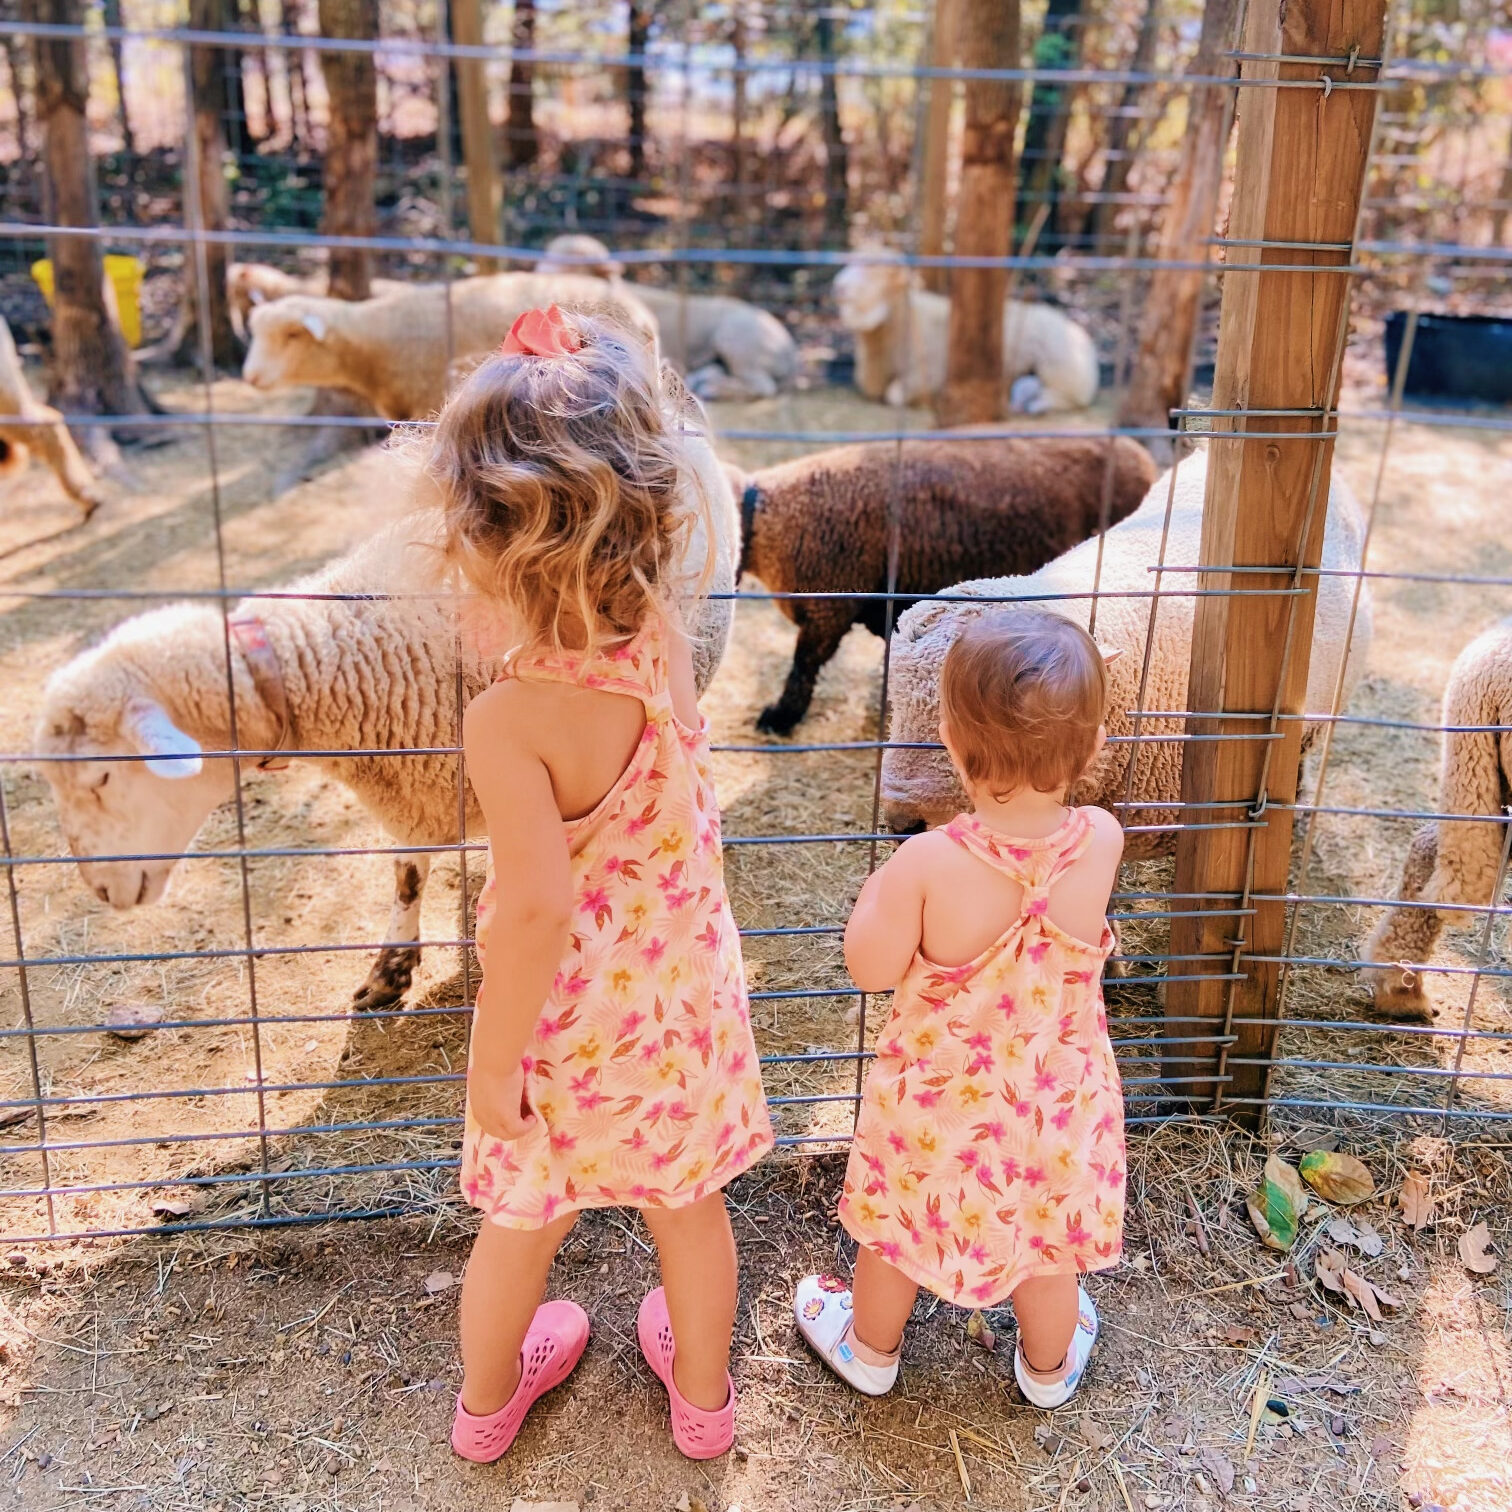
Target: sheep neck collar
column 750, row 502
column 251, row 637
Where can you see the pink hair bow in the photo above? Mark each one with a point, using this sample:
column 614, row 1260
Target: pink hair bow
column 541, row 333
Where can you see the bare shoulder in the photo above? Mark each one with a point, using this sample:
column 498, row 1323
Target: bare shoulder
column 1107, row 835
column 506, row 716
column 925, row 855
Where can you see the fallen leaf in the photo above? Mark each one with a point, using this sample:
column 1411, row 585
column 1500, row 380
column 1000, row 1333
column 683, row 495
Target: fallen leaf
column 132, row 1021
column 1220, row 1467
column 1368, row 1295
column 1098, row 1439
column 439, row 1281
column 1237, row 1333
column 979, row 1333
column 1416, row 1201
column 1475, row 1250
column 1329, row 1269
column 172, row 1207
column 1300, row 1312
column 1277, row 1206
column 1358, row 1233
column 1295, row 1385
column 1336, row 1177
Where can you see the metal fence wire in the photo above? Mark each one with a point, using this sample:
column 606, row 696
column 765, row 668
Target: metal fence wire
column 197, row 1062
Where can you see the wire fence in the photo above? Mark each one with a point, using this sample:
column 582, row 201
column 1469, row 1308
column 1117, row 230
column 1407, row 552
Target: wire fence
column 250, row 1092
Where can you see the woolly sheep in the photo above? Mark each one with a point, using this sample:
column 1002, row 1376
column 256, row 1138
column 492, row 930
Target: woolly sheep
column 918, row 786
column 251, row 284
column 394, row 351
column 902, row 331
column 819, row 524
column 1451, row 862
column 371, row 673
column 45, row 433
column 729, row 349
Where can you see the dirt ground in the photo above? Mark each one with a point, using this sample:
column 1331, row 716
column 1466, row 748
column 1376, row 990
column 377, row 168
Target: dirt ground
column 100, row 1335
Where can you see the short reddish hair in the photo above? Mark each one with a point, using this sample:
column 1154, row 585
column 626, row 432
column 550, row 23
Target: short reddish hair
column 1023, row 693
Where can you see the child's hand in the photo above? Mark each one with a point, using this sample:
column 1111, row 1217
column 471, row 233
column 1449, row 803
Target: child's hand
column 498, row 1102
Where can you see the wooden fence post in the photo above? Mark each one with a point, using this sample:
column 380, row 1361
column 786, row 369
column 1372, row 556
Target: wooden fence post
column 477, row 131
column 1302, row 156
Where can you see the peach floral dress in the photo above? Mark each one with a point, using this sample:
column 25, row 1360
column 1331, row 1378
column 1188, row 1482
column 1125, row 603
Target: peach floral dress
column 990, row 1146
column 642, row 1069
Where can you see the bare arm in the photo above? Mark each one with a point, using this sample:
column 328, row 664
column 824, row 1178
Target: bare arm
column 886, row 924
column 528, row 932
column 1079, row 904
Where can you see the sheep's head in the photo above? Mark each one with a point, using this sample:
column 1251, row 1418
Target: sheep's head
column 866, row 292
column 578, row 254
column 97, row 708
column 292, row 343
column 251, row 284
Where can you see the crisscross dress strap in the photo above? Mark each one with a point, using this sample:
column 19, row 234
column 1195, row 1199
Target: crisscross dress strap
column 638, row 668
column 1036, row 865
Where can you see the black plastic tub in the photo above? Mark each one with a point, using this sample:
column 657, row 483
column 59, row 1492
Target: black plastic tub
column 1454, row 356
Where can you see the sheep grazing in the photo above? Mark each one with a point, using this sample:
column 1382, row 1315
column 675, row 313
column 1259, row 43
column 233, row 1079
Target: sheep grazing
column 329, row 673
column 1449, row 861
column 44, row 432
column 251, row 284
column 902, row 329
column 394, row 351
column 820, row 524
column 729, row 349
column 919, row 786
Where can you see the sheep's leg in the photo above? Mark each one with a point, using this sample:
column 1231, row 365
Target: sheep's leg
column 394, row 969
column 819, row 637
column 1404, row 936
column 50, row 442
column 736, row 385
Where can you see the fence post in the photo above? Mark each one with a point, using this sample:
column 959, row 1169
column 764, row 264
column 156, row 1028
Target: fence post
column 1300, row 170
column 477, row 131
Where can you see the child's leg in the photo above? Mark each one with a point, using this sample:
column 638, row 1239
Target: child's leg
column 699, row 1272
column 506, row 1277
column 1046, row 1308
column 882, row 1298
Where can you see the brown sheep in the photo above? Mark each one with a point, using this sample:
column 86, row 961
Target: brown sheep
column 990, row 504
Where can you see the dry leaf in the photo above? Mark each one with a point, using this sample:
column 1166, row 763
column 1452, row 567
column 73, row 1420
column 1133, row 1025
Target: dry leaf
column 979, row 1333
column 10, row 1117
column 1359, row 1233
column 1299, row 1312
column 1475, row 1250
column 172, row 1207
column 1329, row 1269
column 1220, row 1467
column 1336, row 1177
column 1368, row 1295
column 1237, row 1333
column 1278, row 1205
column 1416, row 1201
column 132, row 1021
column 439, row 1281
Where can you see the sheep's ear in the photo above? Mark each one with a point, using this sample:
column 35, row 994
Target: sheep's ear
column 1110, row 654
column 169, row 751
column 315, row 325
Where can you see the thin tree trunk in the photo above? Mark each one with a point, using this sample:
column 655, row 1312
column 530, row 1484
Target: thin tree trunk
column 92, row 371
column 208, row 79
column 522, row 143
column 15, row 59
column 974, row 386
column 1040, row 175
column 836, row 161
column 935, row 161
column 1158, row 374
column 117, row 59
column 299, row 108
column 351, row 161
column 635, row 85
column 1126, row 134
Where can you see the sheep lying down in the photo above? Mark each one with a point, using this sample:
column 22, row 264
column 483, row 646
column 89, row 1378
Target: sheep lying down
column 919, row 786
column 338, row 674
column 43, row 432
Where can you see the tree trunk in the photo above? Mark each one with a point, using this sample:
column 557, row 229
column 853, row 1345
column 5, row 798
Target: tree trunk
column 974, row 386
column 208, row 79
column 15, row 56
column 92, row 371
column 117, row 59
column 1159, row 371
column 351, row 161
column 635, row 86
column 299, row 109
column 1126, row 133
column 254, row 62
column 522, row 143
column 1041, row 177
column 935, row 161
column 478, row 158
column 836, row 162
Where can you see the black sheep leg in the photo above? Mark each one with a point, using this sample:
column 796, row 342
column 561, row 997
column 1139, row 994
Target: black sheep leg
column 821, row 628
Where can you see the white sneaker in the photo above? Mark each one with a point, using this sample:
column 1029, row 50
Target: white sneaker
column 1048, row 1396
column 822, row 1306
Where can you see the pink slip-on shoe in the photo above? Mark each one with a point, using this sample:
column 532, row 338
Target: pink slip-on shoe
column 699, row 1433
column 555, row 1343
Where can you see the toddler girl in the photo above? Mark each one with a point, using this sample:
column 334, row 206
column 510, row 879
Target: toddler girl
column 988, row 1161
column 611, row 1062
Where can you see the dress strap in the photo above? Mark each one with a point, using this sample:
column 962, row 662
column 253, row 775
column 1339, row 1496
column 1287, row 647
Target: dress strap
column 1036, row 865
column 638, row 668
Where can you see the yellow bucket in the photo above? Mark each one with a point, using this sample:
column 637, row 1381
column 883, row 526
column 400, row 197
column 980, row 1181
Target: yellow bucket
column 125, row 275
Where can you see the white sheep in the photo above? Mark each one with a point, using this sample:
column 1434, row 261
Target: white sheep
column 394, row 351
column 902, row 332
column 1448, row 861
column 919, row 786
column 44, row 434
column 728, row 348
column 356, row 665
column 251, row 284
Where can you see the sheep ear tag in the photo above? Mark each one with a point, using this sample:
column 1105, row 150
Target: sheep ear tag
column 169, row 751
column 315, row 326
column 1109, row 654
